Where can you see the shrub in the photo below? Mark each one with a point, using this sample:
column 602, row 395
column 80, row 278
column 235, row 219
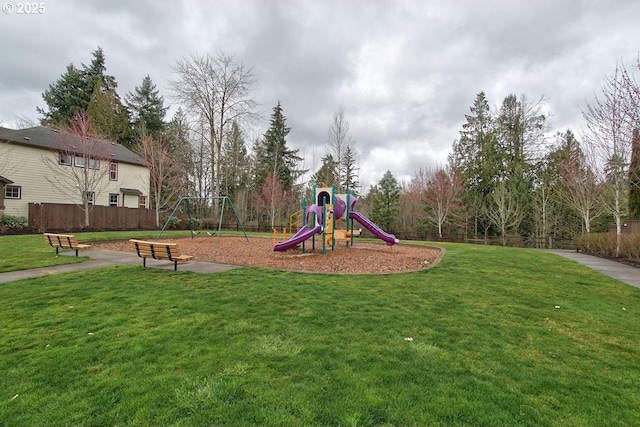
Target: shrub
column 605, row 244
column 194, row 223
column 174, row 222
column 10, row 222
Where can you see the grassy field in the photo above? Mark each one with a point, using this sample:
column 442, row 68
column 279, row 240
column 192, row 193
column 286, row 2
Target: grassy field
column 491, row 336
column 31, row 251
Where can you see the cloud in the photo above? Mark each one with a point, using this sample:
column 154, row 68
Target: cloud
column 405, row 71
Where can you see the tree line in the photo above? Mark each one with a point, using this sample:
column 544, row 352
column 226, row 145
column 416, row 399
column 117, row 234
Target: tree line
column 505, row 179
column 202, row 150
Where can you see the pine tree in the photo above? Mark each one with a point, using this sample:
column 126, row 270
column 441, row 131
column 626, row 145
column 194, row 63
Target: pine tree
column 520, row 125
column 147, row 109
column 327, row 172
column 73, row 91
column 109, row 117
column 478, row 160
column 350, row 170
column 177, row 134
column 386, row 202
column 235, row 168
column 65, row 97
column 273, row 157
column 94, row 73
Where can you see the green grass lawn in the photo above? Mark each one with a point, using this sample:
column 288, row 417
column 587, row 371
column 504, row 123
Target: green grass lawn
column 498, row 336
column 32, row 251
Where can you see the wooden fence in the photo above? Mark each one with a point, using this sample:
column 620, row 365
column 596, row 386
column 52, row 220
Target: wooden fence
column 64, row 217
column 628, row 226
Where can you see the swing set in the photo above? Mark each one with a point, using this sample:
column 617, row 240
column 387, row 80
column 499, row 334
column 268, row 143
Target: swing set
column 186, row 201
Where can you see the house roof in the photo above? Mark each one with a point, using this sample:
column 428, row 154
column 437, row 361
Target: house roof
column 4, row 180
column 48, row 138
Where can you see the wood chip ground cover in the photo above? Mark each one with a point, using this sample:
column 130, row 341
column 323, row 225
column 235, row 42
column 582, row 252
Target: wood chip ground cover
column 361, row 258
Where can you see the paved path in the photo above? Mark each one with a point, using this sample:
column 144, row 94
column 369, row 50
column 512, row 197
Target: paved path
column 623, row 272
column 105, row 258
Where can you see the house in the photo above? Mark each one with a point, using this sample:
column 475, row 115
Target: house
column 45, row 165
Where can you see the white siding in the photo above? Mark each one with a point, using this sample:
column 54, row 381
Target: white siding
column 28, row 170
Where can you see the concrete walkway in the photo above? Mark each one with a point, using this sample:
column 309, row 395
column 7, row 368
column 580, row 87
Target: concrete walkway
column 105, row 258
column 623, row 272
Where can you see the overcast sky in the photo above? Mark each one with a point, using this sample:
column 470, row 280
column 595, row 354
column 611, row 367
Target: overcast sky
column 406, row 72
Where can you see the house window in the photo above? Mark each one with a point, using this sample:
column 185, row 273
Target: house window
column 113, row 171
column 65, row 159
column 142, row 202
column 91, row 196
column 79, row 162
column 94, row 164
column 114, row 199
column 12, row 192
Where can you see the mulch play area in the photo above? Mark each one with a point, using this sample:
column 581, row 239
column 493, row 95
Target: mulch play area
column 362, row 257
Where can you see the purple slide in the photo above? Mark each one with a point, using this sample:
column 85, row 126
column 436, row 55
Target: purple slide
column 390, row 239
column 303, row 234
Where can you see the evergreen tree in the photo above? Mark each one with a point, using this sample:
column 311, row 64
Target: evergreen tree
column 95, row 72
column 520, row 126
column 235, row 170
column 273, row 157
column 109, row 116
column 634, row 176
column 327, row 172
column 478, row 160
column 147, row 109
column 182, row 153
column 65, row 97
column 386, row 202
column 552, row 198
column 574, row 180
column 72, row 92
column 350, row 170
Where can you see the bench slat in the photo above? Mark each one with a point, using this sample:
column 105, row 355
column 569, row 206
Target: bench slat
column 64, row 241
column 159, row 251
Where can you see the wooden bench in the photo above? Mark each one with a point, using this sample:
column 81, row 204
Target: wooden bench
column 159, row 251
column 64, row 241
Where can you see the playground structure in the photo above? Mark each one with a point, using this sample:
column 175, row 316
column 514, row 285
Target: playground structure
column 321, row 218
column 186, row 202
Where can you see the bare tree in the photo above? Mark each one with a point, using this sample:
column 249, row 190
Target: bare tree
column 340, row 140
column 631, row 89
column 80, row 163
column 503, row 210
column 543, row 208
column 608, row 133
column 218, row 89
column 271, row 199
column 411, row 201
column 579, row 188
column 520, row 126
column 164, row 175
column 442, row 195
column 23, row 122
